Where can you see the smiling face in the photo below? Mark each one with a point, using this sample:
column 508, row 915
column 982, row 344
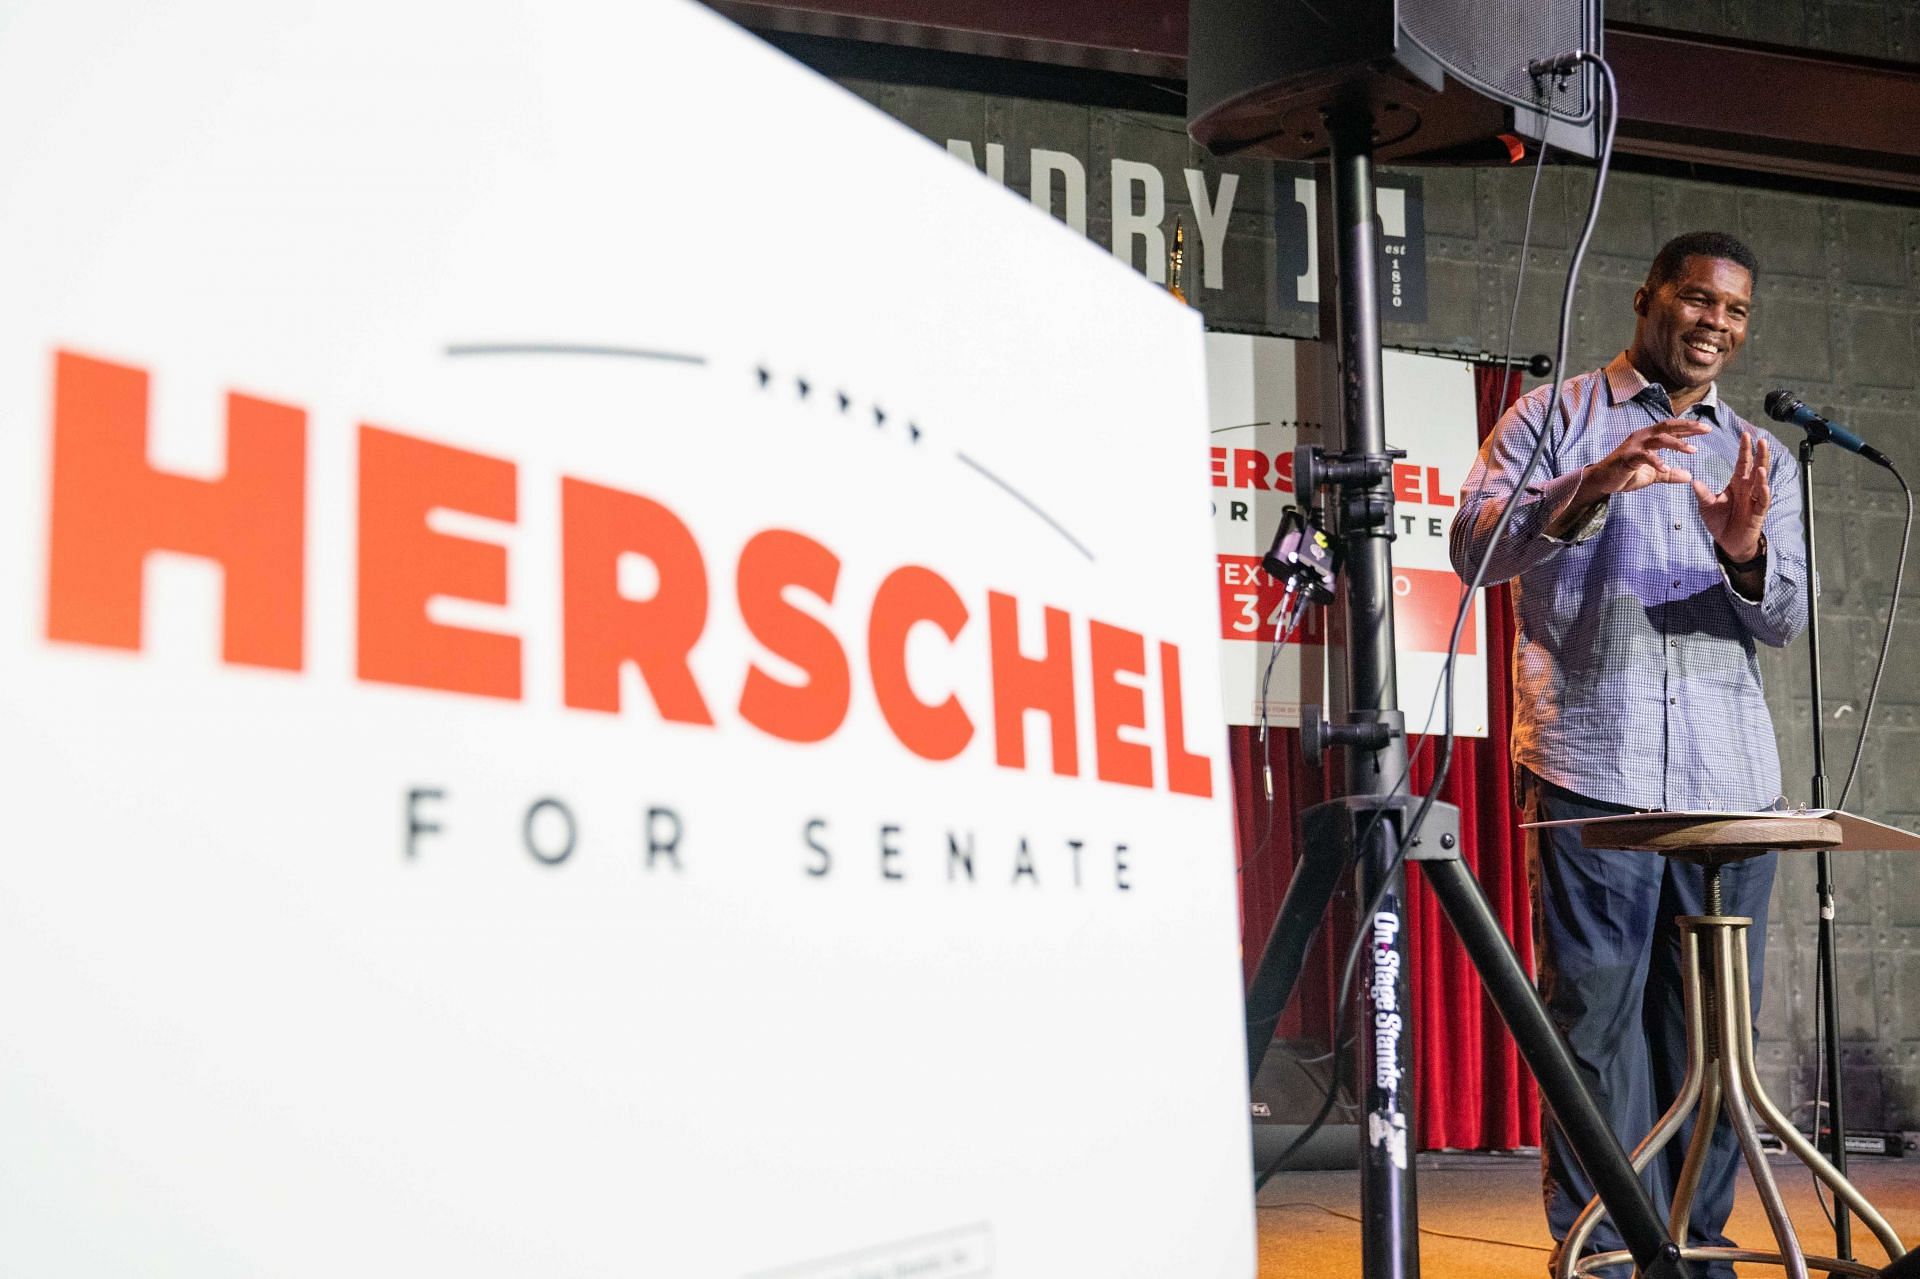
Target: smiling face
column 1690, row 326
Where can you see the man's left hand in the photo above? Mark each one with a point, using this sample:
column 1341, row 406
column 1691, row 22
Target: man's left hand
column 1736, row 514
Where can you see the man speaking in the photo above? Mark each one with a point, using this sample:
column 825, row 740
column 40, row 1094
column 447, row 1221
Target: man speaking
column 1657, row 543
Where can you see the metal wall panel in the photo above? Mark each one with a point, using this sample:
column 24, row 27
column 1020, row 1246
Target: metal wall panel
column 1839, row 291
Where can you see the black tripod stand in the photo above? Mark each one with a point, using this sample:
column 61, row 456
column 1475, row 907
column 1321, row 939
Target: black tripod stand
column 1365, row 827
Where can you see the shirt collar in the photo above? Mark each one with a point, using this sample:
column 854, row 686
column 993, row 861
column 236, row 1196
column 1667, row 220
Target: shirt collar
column 1624, row 383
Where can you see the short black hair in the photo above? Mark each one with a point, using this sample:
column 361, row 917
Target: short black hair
column 1673, row 255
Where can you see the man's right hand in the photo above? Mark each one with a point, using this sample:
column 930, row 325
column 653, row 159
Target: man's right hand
column 1636, row 463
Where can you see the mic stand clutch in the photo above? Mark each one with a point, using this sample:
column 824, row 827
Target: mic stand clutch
column 1302, row 560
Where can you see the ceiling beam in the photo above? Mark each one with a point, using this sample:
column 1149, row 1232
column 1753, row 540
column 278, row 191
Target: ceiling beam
column 1135, row 37
column 1685, row 97
column 1767, row 109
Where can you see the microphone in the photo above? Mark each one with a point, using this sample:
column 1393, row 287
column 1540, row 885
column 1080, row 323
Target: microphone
column 1302, row 560
column 1784, row 406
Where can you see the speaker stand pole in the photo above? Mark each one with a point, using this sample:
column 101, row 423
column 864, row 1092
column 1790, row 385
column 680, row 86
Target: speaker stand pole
column 1388, row 1204
column 1378, row 806
column 1836, row 1145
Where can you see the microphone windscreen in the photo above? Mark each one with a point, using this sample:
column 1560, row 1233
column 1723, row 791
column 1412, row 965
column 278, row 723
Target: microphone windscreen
column 1781, row 404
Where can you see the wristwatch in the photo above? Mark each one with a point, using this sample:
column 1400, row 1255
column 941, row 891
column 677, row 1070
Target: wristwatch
column 1741, row 566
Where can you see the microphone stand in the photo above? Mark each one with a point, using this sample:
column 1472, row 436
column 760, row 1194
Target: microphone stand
column 1836, row 1147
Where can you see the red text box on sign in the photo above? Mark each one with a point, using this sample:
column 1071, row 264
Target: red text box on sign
column 1250, row 604
column 1424, row 602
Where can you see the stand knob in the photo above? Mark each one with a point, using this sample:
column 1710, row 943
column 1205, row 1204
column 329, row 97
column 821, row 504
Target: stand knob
column 1313, row 734
column 1369, row 730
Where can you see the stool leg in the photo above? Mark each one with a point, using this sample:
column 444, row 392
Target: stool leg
column 1706, row 1119
column 1691, row 1087
column 1802, row 1149
column 1726, row 942
column 1702, row 1053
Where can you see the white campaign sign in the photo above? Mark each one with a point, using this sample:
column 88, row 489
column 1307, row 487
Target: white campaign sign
column 586, row 692
column 1267, row 394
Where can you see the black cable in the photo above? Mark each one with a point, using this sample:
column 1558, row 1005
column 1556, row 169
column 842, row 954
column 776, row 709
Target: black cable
column 1437, row 1234
column 1441, row 770
column 1327, row 1102
column 1886, row 642
column 1266, row 748
column 1539, row 446
column 1507, row 371
column 1341, row 1040
column 1853, row 771
column 1526, row 473
column 1526, row 239
column 1446, row 680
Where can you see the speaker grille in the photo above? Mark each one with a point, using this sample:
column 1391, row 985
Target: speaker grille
column 1487, row 44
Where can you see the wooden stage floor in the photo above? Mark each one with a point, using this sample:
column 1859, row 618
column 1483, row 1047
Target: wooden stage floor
column 1307, row 1231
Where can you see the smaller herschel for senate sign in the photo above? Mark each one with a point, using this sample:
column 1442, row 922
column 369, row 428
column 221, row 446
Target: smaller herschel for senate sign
column 1265, row 396
column 517, row 751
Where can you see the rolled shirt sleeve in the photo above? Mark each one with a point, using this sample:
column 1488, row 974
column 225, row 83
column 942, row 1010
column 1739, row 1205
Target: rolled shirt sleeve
column 1490, row 488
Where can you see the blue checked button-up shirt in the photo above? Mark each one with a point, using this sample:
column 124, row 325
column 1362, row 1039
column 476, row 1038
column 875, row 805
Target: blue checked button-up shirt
column 1634, row 672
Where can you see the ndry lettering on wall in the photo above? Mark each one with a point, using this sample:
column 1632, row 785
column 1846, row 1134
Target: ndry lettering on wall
column 1140, row 226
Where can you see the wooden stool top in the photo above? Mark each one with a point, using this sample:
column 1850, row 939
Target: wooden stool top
column 1715, row 840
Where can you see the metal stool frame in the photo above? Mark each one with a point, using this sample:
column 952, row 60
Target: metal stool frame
column 1721, row 1070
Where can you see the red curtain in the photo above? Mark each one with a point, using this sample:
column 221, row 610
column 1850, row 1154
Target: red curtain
column 1473, row 1092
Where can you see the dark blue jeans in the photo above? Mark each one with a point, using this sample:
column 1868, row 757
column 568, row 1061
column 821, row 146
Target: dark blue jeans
column 1609, row 961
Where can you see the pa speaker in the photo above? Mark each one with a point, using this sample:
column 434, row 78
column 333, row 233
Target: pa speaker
column 1293, row 1080
column 1442, row 79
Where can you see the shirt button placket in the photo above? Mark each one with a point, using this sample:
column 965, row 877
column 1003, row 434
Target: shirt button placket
column 1671, row 551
